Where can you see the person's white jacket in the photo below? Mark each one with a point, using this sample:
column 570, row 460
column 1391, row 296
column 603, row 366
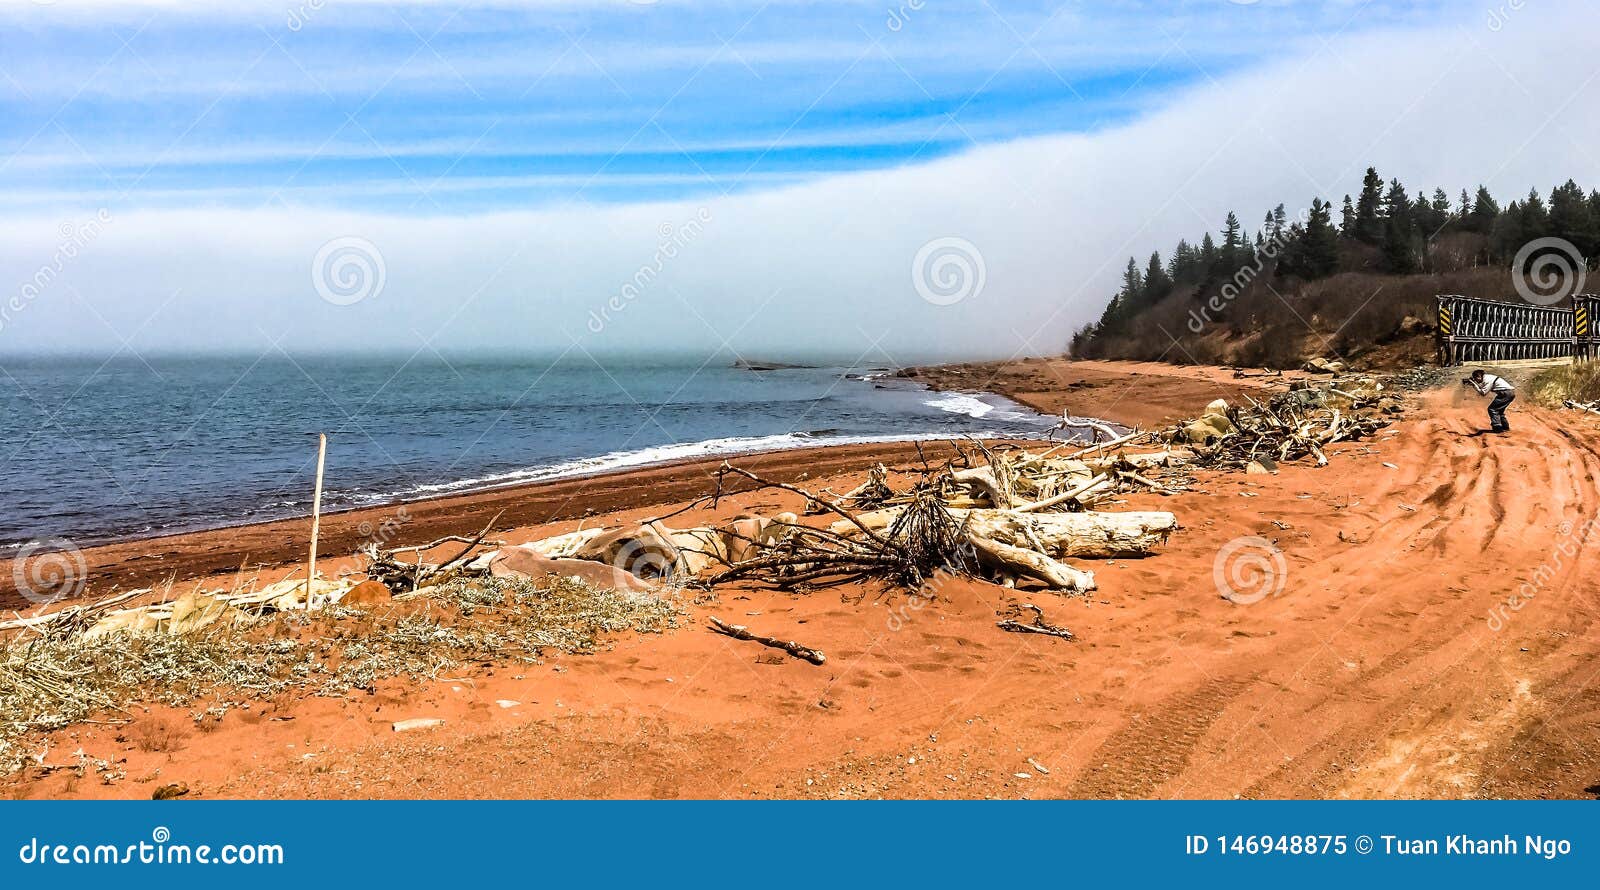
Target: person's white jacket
column 1492, row 383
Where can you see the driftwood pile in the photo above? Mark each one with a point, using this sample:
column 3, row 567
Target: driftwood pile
column 389, row 567
column 1006, row 515
column 1290, row 426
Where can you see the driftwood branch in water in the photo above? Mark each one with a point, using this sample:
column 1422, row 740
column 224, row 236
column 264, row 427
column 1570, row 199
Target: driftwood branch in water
column 740, row 632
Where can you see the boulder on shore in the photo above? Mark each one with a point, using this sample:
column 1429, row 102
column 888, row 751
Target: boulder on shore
column 526, row 562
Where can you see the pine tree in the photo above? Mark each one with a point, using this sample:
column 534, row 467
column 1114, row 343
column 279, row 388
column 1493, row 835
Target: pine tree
column 1484, row 213
column 1182, row 265
column 1535, row 217
column 1157, row 284
column 1396, row 203
column 1571, row 218
column 1399, row 232
column 1505, row 234
column 1465, row 212
column 1369, row 225
column 1234, row 247
column 1126, row 303
column 1208, row 254
column 1318, row 256
column 1347, row 219
column 1438, row 216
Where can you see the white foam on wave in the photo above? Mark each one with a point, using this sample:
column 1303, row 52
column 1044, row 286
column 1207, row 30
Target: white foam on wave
column 961, row 403
column 659, row 454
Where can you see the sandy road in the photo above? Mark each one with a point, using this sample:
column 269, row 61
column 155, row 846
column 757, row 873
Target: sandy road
column 1387, row 658
column 1441, row 645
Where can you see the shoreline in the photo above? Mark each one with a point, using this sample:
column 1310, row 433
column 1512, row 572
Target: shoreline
column 1133, row 394
column 1125, row 393
column 145, row 561
column 1171, row 688
column 556, row 470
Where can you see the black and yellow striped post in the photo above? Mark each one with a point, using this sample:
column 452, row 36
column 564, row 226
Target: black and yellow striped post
column 1446, row 336
column 1583, row 339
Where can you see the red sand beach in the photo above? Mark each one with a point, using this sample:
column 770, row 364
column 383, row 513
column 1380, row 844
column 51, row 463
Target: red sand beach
column 1376, row 672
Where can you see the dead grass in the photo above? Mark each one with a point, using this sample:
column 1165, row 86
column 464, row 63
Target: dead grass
column 47, row 683
column 1579, row 382
column 157, row 733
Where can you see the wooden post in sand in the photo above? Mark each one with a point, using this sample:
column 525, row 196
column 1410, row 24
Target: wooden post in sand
column 316, row 515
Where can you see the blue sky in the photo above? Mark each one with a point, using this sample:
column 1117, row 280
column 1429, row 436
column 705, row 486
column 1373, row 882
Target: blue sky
column 437, row 108
column 178, row 177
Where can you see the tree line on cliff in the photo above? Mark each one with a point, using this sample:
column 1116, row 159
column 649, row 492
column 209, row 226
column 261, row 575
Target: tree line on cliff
column 1346, row 278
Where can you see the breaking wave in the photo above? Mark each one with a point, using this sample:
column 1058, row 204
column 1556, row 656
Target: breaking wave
column 652, row 456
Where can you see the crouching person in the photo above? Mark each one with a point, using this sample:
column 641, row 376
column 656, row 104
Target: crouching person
column 1503, row 394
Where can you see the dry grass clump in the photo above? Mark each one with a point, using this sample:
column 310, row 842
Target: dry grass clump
column 49, row 682
column 1578, row 382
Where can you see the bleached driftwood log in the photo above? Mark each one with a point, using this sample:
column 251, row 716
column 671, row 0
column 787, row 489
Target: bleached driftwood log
column 1082, row 535
column 1081, row 493
column 1152, row 459
column 564, row 546
column 983, row 482
column 1059, row 535
column 1024, row 563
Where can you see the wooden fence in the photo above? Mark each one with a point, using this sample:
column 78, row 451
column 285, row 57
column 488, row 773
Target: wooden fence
column 1471, row 330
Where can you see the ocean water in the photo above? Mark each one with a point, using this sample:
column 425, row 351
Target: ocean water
column 94, row 451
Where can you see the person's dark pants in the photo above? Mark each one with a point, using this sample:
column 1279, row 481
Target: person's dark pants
column 1497, row 412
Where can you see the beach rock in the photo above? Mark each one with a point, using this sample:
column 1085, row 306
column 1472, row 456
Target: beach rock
column 1411, row 326
column 1208, row 428
column 168, row 792
column 525, row 562
column 1262, row 466
column 195, row 610
column 745, row 536
column 367, row 593
column 643, row 551
column 124, row 621
column 1321, row 365
column 417, row 723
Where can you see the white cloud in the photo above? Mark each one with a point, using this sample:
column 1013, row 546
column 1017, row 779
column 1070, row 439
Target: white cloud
column 826, row 266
